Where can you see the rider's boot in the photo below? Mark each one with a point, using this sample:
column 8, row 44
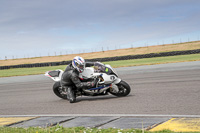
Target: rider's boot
column 70, row 95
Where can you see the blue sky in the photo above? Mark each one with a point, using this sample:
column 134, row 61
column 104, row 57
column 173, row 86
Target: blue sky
column 31, row 28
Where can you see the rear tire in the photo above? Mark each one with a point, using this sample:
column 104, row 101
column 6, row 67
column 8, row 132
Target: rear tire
column 57, row 89
column 124, row 89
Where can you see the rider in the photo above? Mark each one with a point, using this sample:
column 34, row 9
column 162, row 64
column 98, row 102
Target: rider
column 70, row 77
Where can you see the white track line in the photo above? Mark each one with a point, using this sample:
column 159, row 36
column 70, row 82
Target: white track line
column 91, row 115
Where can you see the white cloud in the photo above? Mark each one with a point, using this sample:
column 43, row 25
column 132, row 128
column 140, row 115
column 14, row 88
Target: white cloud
column 47, row 24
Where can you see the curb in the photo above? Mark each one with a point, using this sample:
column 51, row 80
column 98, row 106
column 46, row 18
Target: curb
column 151, row 123
column 179, row 125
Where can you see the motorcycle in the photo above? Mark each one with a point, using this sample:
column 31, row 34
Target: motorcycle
column 108, row 82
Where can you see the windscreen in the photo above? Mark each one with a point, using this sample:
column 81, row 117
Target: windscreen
column 99, row 67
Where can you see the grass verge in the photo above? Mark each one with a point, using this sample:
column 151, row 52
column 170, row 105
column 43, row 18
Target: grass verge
column 110, row 53
column 156, row 60
column 123, row 63
column 60, row 129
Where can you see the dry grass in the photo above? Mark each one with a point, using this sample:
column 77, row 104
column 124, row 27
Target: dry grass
column 110, row 53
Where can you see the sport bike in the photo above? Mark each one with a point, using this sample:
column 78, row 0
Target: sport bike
column 108, row 82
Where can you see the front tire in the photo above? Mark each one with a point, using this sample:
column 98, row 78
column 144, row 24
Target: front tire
column 124, row 89
column 57, row 89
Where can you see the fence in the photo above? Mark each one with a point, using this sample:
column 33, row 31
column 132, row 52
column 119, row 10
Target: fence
column 128, row 57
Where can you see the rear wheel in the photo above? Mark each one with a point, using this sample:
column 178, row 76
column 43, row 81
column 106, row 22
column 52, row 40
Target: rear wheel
column 57, row 89
column 124, row 89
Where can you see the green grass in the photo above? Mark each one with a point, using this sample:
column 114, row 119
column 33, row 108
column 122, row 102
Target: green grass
column 28, row 71
column 156, row 60
column 124, row 63
column 60, row 129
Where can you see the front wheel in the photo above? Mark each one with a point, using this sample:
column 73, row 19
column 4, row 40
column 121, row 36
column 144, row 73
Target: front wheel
column 57, row 89
column 124, row 89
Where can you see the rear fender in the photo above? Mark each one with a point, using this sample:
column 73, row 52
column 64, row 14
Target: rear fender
column 54, row 75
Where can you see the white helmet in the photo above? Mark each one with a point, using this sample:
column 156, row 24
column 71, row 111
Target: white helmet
column 78, row 63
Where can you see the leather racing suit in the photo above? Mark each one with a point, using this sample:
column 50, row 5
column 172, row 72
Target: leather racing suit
column 70, row 77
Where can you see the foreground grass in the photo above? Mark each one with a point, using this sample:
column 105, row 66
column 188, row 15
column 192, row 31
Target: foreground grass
column 60, row 129
column 124, row 63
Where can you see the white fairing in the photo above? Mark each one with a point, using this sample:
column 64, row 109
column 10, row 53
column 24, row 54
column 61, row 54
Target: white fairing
column 111, row 69
column 89, row 73
column 57, row 78
column 117, row 81
column 109, row 78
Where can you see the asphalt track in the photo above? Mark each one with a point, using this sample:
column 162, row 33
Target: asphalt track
column 163, row 97
column 167, row 89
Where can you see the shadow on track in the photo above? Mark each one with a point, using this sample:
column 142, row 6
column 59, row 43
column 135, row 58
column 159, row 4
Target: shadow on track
column 99, row 98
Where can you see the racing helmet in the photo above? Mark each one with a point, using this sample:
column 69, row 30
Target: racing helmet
column 78, row 63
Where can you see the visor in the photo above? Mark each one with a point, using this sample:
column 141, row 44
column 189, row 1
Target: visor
column 80, row 66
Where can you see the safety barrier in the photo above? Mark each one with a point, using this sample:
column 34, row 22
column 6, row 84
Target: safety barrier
column 128, row 57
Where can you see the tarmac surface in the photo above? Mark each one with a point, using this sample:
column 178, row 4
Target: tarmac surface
column 159, row 93
column 167, row 89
